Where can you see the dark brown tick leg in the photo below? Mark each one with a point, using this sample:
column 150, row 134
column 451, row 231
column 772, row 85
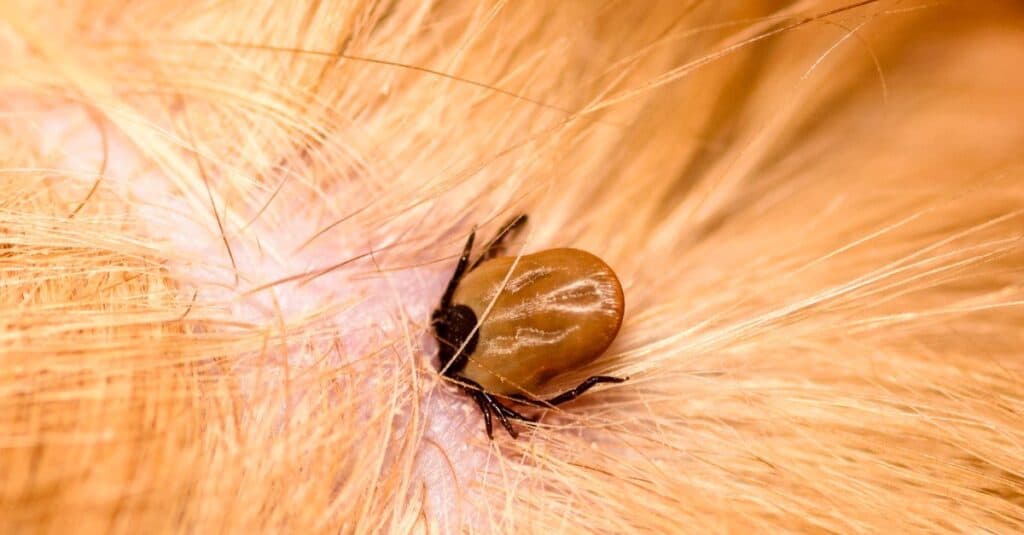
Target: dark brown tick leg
column 571, row 394
column 460, row 270
column 488, row 404
column 501, row 415
column 511, row 413
column 482, row 402
column 494, row 247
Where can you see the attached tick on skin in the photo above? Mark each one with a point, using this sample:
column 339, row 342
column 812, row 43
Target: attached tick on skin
column 507, row 335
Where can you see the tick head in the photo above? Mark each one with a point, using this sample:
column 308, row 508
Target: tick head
column 453, row 326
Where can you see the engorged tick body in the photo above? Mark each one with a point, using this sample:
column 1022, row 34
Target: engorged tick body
column 506, row 326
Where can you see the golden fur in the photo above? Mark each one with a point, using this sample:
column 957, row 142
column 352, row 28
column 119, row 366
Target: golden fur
column 225, row 225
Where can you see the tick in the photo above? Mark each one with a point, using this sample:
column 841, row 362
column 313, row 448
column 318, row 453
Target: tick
column 506, row 327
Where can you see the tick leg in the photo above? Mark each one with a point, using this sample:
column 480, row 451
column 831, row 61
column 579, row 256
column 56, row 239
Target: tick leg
column 500, row 407
column 494, row 247
column 489, row 404
column 460, row 270
column 486, row 410
column 486, row 403
column 571, row 394
column 497, row 407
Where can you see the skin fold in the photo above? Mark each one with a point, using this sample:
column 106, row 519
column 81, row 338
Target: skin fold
column 224, row 228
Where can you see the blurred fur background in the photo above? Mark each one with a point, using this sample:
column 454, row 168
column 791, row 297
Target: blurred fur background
column 224, row 225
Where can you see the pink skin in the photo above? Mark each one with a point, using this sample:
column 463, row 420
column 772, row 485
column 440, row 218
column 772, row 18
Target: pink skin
column 355, row 305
